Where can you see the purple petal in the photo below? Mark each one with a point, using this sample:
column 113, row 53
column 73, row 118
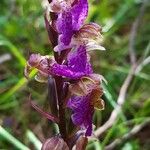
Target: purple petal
column 78, row 65
column 64, row 27
column 70, row 21
column 77, row 119
column 79, row 62
column 89, row 130
column 82, row 112
column 77, row 59
column 89, row 69
column 79, row 13
column 63, row 70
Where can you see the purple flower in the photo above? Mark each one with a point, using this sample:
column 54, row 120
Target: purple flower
column 71, row 15
column 83, row 103
column 82, row 112
column 41, row 63
column 83, row 87
column 78, row 65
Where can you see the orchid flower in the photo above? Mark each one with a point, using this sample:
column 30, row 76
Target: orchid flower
column 70, row 35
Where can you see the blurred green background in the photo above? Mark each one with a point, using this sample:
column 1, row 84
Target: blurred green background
column 22, row 31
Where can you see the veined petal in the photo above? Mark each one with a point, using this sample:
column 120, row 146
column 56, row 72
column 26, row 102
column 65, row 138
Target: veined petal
column 96, row 100
column 97, row 78
column 93, row 45
column 87, row 84
column 34, row 60
column 87, row 32
column 89, row 35
column 99, row 104
column 78, row 89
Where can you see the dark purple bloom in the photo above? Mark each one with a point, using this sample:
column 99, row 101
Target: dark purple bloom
column 78, row 65
column 83, row 104
column 70, row 19
column 82, row 112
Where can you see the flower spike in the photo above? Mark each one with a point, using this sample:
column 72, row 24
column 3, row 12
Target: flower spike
column 73, row 81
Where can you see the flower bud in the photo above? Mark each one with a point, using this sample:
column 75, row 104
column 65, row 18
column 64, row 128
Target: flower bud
column 34, row 60
column 55, row 143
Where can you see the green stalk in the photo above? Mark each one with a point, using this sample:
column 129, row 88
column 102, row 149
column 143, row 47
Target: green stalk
column 6, row 135
column 37, row 144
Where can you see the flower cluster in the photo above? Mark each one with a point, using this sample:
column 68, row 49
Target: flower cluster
column 69, row 35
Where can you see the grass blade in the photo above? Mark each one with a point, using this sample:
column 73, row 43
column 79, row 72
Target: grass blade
column 12, row 139
column 37, row 144
column 14, row 50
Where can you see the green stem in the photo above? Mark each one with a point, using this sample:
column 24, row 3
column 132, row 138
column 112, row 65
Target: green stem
column 12, row 139
column 37, row 144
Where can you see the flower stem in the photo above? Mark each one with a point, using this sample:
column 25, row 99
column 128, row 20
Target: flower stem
column 53, row 37
column 61, row 111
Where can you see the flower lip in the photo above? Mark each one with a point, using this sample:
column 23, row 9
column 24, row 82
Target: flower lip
column 78, row 64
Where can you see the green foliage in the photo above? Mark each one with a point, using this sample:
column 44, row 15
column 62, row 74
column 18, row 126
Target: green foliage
column 22, row 31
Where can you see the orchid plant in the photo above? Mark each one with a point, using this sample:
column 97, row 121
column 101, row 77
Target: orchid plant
column 73, row 84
